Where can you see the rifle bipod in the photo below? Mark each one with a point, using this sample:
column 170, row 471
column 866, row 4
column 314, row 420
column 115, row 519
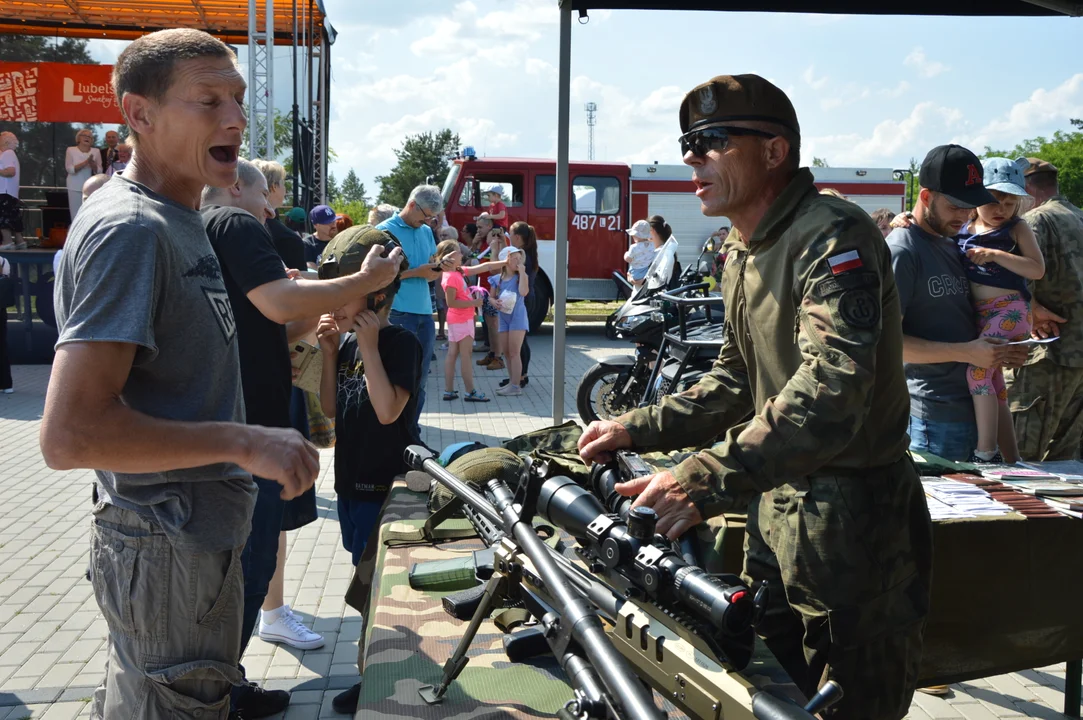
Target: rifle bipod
column 496, row 585
column 504, row 579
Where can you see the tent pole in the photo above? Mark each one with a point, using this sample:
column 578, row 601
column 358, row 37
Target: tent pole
column 563, row 189
column 252, row 102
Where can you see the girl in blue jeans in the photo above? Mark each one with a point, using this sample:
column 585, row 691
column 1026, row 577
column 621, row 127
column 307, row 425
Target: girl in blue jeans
column 514, row 324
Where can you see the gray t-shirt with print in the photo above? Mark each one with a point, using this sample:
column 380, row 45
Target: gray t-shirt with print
column 935, row 299
column 138, row 268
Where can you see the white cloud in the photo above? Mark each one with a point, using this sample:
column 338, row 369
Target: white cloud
column 930, row 124
column 925, row 67
column 897, row 91
column 809, row 76
column 540, row 68
column 853, row 93
column 1043, row 109
column 927, row 125
column 445, row 40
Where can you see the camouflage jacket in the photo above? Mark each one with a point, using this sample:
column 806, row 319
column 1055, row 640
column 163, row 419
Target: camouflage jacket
column 813, row 348
column 1058, row 226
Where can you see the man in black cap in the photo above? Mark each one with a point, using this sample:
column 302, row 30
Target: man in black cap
column 802, row 419
column 940, row 336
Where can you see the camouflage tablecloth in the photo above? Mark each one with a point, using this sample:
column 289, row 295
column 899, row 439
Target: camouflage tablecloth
column 407, row 637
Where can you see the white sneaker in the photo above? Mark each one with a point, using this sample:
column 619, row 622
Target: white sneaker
column 509, row 391
column 289, row 629
column 8, row 391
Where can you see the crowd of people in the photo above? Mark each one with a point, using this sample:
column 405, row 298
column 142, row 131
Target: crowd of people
column 82, row 164
column 842, row 351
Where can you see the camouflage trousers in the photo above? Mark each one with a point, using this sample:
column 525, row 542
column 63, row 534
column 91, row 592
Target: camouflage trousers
column 848, row 559
column 1046, row 400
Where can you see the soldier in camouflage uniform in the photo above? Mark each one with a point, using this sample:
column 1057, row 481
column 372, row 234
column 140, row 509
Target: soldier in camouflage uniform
column 1046, row 394
column 838, row 526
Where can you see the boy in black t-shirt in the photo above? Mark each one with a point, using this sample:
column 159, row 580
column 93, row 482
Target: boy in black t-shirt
column 371, row 371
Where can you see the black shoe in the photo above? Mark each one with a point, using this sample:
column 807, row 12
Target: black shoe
column 997, row 459
column 346, row 702
column 252, row 701
column 522, row 383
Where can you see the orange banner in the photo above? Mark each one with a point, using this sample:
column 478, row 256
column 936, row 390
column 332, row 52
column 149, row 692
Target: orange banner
column 57, row 92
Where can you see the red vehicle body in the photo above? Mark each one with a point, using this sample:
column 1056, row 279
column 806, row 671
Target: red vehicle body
column 606, row 199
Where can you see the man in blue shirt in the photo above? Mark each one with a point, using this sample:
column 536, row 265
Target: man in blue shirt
column 412, row 308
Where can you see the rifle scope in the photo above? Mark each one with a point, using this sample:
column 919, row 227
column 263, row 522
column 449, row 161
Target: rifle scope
column 631, row 549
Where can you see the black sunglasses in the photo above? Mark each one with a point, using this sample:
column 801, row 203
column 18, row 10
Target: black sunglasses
column 699, row 142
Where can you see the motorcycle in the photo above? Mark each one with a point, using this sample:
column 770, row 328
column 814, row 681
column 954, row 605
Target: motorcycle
column 619, row 383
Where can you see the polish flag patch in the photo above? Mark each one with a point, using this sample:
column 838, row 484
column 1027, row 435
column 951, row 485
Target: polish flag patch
column 844, row 262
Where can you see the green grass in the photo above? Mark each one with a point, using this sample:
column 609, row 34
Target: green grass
column 581, row 308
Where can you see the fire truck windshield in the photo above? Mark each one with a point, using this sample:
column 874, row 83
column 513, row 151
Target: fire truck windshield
column 449, row 183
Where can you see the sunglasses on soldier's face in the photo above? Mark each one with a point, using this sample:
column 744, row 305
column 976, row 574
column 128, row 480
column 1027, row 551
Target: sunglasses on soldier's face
column 700, row 142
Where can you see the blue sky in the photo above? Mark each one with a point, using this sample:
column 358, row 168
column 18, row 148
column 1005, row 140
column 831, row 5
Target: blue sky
column 869, row 91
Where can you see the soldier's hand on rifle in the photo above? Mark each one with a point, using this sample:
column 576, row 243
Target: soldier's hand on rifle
column 601, row 438
column 661, row 492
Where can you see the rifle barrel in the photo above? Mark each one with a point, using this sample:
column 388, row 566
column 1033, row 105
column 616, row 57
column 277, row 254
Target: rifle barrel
column 419, row 458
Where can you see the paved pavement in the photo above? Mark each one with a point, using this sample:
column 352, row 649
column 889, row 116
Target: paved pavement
column 52, row 635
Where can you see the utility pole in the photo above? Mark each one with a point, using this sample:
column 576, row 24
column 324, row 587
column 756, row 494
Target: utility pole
column 591, row 121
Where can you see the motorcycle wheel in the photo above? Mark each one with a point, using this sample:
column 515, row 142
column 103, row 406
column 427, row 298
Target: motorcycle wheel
column 596, row 396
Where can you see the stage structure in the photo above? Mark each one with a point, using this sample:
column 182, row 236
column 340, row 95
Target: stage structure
column 260, row 24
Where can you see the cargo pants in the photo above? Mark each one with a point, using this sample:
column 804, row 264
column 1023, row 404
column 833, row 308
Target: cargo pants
column 848, row 560
column 1046, row 400
column 174, row 622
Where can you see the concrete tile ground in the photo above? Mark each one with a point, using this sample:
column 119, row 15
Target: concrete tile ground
column 52, row 636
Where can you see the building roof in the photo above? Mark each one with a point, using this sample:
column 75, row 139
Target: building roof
column 129, row 19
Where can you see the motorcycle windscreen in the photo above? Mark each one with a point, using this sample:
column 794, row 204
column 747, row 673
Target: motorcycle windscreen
column 658, row 277
column 662, row 268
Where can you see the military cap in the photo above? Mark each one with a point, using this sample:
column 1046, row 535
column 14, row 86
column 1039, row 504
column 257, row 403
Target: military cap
column 345, row 254
column 730, row 98
column 1037, row 165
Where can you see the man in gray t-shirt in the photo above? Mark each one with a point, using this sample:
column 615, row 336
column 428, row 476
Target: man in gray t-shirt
column 170, row 303
column 145, row 389
column 939, row 326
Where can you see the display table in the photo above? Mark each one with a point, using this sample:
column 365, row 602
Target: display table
column 1006, row 596
column 407, row 637
column 34, row 344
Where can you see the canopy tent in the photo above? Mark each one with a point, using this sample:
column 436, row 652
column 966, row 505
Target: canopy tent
column 854, row 7
column 127, row 20
column 259, row 24
column 848, row 7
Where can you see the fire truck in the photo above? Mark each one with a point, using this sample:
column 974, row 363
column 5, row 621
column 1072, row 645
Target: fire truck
column 606, row 199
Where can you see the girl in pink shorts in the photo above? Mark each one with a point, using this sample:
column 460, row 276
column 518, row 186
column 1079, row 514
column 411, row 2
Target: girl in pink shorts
column 1000, row 254
column 461, row 306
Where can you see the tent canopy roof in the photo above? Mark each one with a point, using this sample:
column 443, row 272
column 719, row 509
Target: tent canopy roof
column 855, row 7
column 129, row 19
